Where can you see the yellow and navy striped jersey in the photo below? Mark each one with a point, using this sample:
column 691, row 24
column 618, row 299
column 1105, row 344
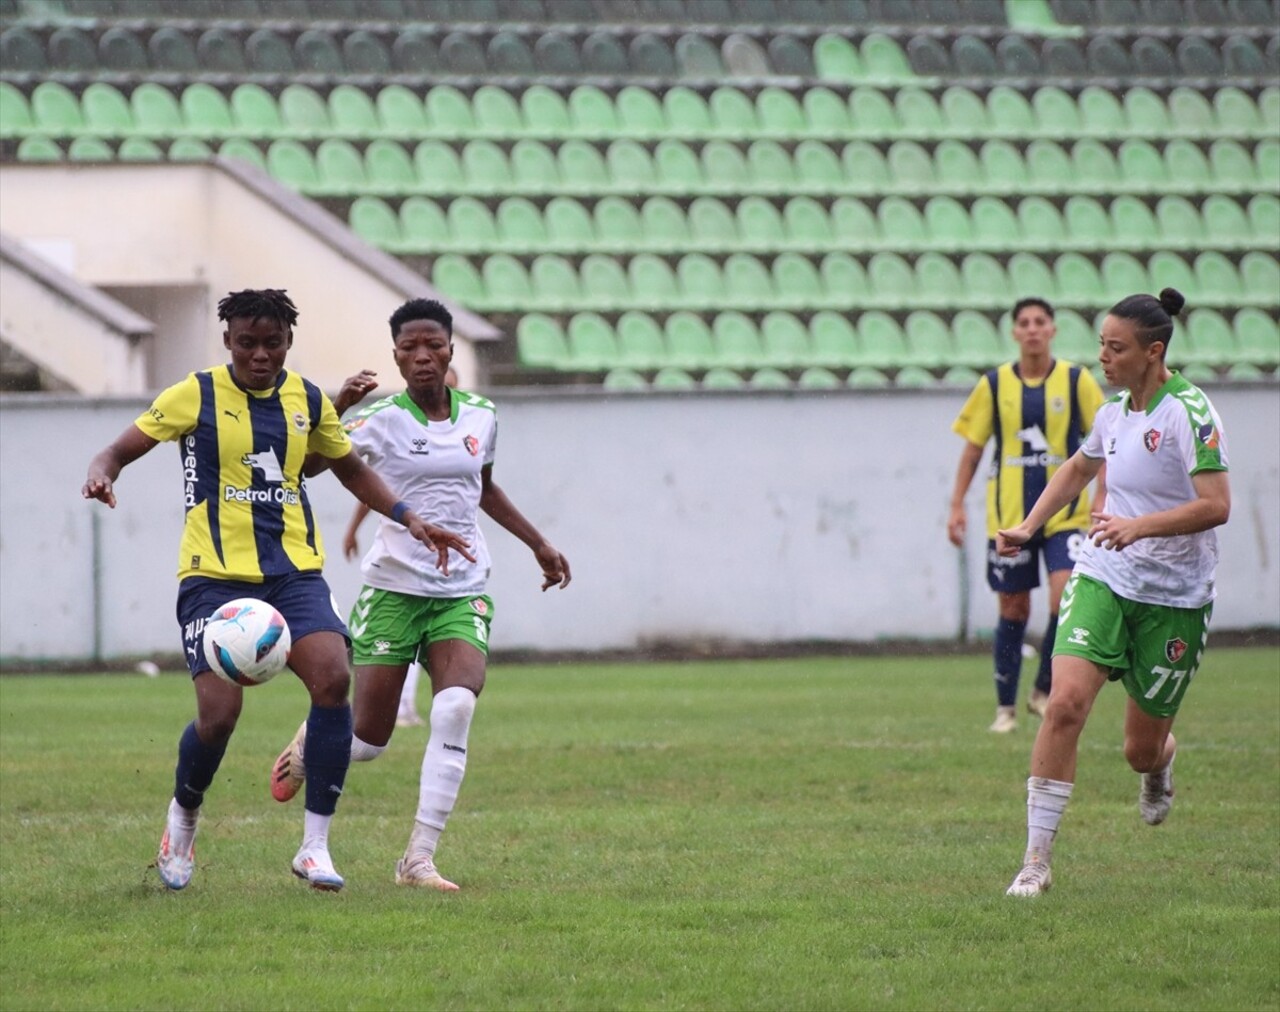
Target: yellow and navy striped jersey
column 1037, row 426
column 248, row 517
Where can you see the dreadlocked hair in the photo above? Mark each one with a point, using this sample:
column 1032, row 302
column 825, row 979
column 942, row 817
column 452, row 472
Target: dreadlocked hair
column 254, row 303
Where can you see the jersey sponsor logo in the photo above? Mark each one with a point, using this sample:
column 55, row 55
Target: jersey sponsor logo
column 190, row 479
column 1151, row 440
column 1208, row 434
column 265, row 461
column 472, row 444
column 195, row 562
column 156, row 413
column 1174, row 649
column 281, row 495
column 1079, row 636
column 421, row 447
column 1036, row 460
column 1033, row 436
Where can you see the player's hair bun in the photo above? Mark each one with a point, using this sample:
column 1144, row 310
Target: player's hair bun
column 1172, row 301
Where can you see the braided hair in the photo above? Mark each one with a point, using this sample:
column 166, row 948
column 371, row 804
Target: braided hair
column 254, row 304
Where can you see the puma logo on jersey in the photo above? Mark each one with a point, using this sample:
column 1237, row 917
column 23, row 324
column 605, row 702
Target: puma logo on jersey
column 232, row 414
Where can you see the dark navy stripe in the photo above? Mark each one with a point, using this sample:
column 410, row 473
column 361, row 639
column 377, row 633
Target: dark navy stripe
column 202, row 444
column 997, row 458
column 1034, row 476
column 314, row 405
column 270, row 434
column 1075, row 427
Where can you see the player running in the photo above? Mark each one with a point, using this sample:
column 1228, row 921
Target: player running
column 435, row 447
column 1137, row 607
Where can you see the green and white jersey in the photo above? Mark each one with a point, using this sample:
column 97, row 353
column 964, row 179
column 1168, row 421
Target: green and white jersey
column 435, row 468
column 1150, row 457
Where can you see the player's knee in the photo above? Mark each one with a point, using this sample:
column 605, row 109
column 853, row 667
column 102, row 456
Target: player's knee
column 1067, row 711
column 1143, row 755
column 451, row 710
column 330, row 685
column 1015, row 607
column 215, row 729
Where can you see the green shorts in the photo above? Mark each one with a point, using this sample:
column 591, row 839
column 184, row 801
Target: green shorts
column 1154, row 649
column 388, row 627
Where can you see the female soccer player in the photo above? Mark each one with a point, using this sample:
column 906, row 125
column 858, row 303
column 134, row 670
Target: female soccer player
column 435, row 446
column 1137, row 607
column 245, row 429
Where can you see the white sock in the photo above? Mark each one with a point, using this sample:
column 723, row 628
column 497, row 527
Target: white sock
column 182, row 826
column 1046, row 801
column 315, row 830
column 443, row 765
column 363, row 752
column 409, row 693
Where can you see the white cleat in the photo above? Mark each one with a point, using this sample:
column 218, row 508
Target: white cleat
column 1034, row 880
column 421, row 871
column 314, row 866
column 1005, row 721
column 1037, row 702
column 1155, row 798
column 177, row 857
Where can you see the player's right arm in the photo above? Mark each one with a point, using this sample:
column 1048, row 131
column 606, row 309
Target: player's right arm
column 106, row 466
column 974, row 424
column 957, row 521
column 1067, row 483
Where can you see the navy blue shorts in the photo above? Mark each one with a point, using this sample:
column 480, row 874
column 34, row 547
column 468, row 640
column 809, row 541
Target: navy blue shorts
column 304, row 599
column 1022, row 572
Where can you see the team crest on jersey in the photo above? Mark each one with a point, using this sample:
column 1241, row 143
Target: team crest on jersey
column 354, row 424
column 1174, row 649
column 478, row 606
column 299, row 422
column 1057, row 405
column 1151, row 440
column 1208, row 434
column 472, row 444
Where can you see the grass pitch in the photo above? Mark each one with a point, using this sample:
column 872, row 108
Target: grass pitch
column 800, row 834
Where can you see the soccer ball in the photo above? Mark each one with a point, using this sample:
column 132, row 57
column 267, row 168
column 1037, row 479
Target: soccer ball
column 246, row 641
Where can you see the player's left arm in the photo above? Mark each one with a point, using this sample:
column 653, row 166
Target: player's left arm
column 496, row 504
column 1210, row 508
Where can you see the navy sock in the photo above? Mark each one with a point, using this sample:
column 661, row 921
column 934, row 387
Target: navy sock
column 1008, row 657
column 327, row 756
column 197, row 764
column 1044, row 677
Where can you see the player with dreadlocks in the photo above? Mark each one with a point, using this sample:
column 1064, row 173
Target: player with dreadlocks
column 244, row 431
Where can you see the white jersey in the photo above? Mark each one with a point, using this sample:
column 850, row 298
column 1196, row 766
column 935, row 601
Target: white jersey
column 435, row 468
column 1150, row 457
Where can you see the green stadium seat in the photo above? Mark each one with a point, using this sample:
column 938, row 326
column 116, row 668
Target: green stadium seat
column 1076, row 340
column 255, row 112
column 721, row 378
column 679, row 170
column 789, row 56
column 155, row 111
column 956, row 167
column 1040, row 224
column 471, row 225
column 918, row 114
column 1078, row 281
column 1152, row 58
column 423, row 226
column 373, row 221
column 1168, row 270
column 1179, row 223
column 769, row 166
column 768, row 378
column 1264, row 213
column 819, row 170
column 205, row 111
column 555, row 54
column 604, row 283
column 743, row 57
column 582, row 168
column 1226, row 222
column 701, row 281
column 723, row 167
column 818, row 378
column 1009, row 114
column 189, row 149
column 796, row 281
column 1019, row 58
column 780, row 114
column 1088, row 224
column 554, row 282
column 893, row 282
column 414, row 51
column 639, row 113
column 438, row 167
column 712, row 224
column 640, row 341
column 759, row 225
column 496, row 113
column 938, row 281
column 1206, row 339
column 592, row 346
column 733, row 114
column 867, row 378
column 884, row 59
column 15, row 112
column 1093, row 167
column 844, row 280
column 485, row 168
column 1257, row 337
column 910, row 167
column 833, row 340
column 106, row 112
column 872, row 115
column 290, row 163
column 364, row 53
column 736, row 341
column 1003, row 169
column 1232, row 167
column 389, row 168
column 947, row 224
column 544, row 112
column 1142, row 168
column 929, row 57
column 1186, row 166
column 673, row 379
column 963, row 112
column 90, row 149
column 806, row 224
column 747, row 282
column 568, row 225
column 929, row 342
column 317, row 52
column 1049, row 168
column 461, row 54
column 340, row 168
column 785, row 340
column 837, row 59
column 55, row 111
column 960, row 376
column 1028, row 275
column 400, row 112
column 883, row 343
column 630, row 167
column 449, row 112
column 1101, row 113
column 1217, row 281
column 70, row 49
column 697, row 57
column 591, row 113
column 1266, row 163
column 995, row 226
column 1269, row 110
column 519, row 226
column 865, row 169
column 652, row 282
column 977, row 341
column 1055, row 112
column 985, row 280
column 972, row 57
column 139, row 149
column 1260, row 277
column 303, row 113
column 664, row 224
column 240, row 149
column 901, row 225
column 540, row 342
column 688, row 341
column 854, row 225
column 1131, row 217
column 1198, row 57
column 1234, row 112
column 507, row 55
column 1146, row 114
column 1123, row 272
column 1190, row 114
column 21, row 51
column 624, row 379
column 617, row 224
column 534, row 168
column 267, row 53
column 825, row 113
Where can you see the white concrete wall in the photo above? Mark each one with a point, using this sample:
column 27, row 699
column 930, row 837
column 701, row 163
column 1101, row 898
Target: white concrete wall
column 753, row 518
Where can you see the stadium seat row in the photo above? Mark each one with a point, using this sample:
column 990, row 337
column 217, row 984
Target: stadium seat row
column 660, row 225
column 1166, row 13
column 733, row 340
column 443, row 111
column 502, row 282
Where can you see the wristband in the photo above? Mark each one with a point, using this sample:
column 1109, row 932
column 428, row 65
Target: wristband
column 398, row 511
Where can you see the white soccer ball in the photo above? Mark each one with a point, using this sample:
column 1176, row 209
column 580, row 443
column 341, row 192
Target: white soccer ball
column 246, row 641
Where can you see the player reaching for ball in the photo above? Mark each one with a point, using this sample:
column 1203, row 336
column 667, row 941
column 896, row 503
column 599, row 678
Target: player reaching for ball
column 1137, row 607
column 435, row 447
column 244, row 431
